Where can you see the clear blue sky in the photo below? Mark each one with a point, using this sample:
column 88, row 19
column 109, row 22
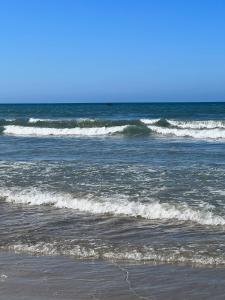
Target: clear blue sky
column 112, row 50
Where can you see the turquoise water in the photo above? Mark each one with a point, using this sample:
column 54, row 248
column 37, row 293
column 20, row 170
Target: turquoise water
column 140, row 183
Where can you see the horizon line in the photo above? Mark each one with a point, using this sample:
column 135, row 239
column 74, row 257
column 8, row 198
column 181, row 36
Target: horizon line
column 114, row 102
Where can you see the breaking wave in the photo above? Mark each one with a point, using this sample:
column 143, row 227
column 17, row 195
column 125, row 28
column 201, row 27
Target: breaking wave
column 198, row 134
column 77, row 131
column 91, row 250
column 35, row 120
column 117, row 205
column 186, row 124
column 67, row 123
column 38, row 131
column 209, row 124
column 205, row 129
column 78, row 120
column 149, row 121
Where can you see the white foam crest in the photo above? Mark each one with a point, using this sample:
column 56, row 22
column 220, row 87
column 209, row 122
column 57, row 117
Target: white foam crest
column 54, row 248
column 118, row 205
column 35, row 120
column 164, row 257
column 192, row 124
column 208, row 124
column 167, row 255
column 79, row 120
column 3, row 277
column 198, row 134
column 10, row 120
column 39, row 131
column 149, row 121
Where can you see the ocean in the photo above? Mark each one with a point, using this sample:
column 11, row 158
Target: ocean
column 112, row 201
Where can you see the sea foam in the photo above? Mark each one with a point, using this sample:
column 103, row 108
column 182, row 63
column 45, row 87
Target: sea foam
column 149, row 121
column 40, row 131
column 112, row 253
column 36, row 120
column 198, row 134
column 188, row 124
column 117, row 205
column 207, row 124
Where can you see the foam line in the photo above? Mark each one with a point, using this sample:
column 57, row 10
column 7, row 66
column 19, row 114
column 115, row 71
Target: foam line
column 116, row 206
column 39, row 131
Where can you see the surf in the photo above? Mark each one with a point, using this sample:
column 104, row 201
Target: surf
column 117, row 205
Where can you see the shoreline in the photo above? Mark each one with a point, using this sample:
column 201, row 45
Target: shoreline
column 23, row 276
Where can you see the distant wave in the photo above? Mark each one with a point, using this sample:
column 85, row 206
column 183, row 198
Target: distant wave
column 209, row 124
column 116, row 206
column 205, row 129
column 191, row 124
column 36, row 120
column 91, row 122
column 149, row 121
column 91, row 250
column 67, row 123
column 39, row 131
column 78, row 120
column 198, row 134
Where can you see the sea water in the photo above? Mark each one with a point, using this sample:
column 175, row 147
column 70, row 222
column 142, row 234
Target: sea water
column 117, row 183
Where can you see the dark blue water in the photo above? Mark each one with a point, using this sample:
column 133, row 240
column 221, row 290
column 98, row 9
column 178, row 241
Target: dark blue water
column 206, row 111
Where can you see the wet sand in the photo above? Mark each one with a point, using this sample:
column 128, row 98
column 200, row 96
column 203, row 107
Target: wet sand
column 44, row 278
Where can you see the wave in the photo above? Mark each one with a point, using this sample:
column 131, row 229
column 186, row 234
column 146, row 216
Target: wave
column 117, row 206
column 90, row 250
column 198, row 134
column 208, row 129
column 208, row 124
column 36, row 120
column 186, row 124
column 77, row 131
column 78, row 120
column 92, row 122
column 149, row 121
column 39, row 131
column 68, row 123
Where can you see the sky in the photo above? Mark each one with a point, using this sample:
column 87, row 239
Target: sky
column 112, row 50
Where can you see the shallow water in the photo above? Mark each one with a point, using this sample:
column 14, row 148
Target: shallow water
column 55, row 277
column 132, row 184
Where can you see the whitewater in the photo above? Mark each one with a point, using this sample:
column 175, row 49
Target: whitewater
column 205, row 129
column 22, row 130
column 117, row 205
